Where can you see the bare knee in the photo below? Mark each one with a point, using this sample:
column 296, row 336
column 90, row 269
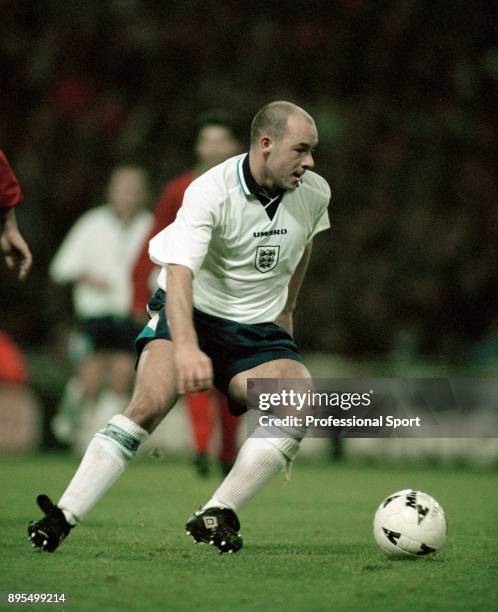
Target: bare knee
column 155, row 387
column 278, row 368
column 148, row 408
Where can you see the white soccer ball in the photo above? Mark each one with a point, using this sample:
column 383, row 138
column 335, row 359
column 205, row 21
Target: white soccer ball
column 409, row 523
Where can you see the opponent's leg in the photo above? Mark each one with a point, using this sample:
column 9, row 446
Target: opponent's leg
column 112, row 447
column 229, row 426
column 200, row 411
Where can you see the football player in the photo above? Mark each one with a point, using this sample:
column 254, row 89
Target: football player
column 234, row 260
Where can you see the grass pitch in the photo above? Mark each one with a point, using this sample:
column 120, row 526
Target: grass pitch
column 308, row 543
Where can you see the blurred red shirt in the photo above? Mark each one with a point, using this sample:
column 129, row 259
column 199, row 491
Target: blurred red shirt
column 13, row 370
column 168, row 205
column 10, row 191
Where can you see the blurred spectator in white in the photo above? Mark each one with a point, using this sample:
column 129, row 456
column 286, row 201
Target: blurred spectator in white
column 97, row 257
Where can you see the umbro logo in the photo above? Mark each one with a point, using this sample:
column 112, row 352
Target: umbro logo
column 210, row 522
column 274, row 232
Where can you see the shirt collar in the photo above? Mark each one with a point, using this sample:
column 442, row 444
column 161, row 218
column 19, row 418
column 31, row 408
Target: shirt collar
column 248, row 182
column 249, row 186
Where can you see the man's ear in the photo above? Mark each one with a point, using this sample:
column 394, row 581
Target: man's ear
column 265, row 143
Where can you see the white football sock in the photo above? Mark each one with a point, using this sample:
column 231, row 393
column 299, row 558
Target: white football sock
column 259, row 460
column 105, row 459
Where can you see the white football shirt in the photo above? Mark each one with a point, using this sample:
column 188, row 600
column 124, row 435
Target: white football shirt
column 100, row 245
column 241, row 257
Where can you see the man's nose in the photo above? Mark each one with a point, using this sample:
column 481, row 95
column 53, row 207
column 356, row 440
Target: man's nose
column 309, row 162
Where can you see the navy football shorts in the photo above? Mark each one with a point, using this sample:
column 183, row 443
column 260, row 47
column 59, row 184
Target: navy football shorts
column 233, row 347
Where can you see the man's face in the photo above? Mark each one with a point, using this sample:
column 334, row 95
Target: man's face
column 127, row 191
column 215, row 144
column 289, row 158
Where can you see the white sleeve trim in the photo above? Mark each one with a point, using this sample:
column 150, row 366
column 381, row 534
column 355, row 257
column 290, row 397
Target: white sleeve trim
column 182, row 261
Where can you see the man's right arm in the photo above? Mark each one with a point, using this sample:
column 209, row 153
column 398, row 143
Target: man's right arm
column 193, row 367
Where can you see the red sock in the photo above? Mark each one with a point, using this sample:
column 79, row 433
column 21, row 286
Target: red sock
column 201, row 418
column 229, row 426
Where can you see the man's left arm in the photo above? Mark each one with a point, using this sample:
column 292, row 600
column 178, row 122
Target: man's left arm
column 285, row 318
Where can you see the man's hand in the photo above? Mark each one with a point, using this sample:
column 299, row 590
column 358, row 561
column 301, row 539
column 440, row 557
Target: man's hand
column 13, row 246
column 194, row 370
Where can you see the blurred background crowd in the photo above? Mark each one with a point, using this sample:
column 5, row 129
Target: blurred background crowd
column 404, row 96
